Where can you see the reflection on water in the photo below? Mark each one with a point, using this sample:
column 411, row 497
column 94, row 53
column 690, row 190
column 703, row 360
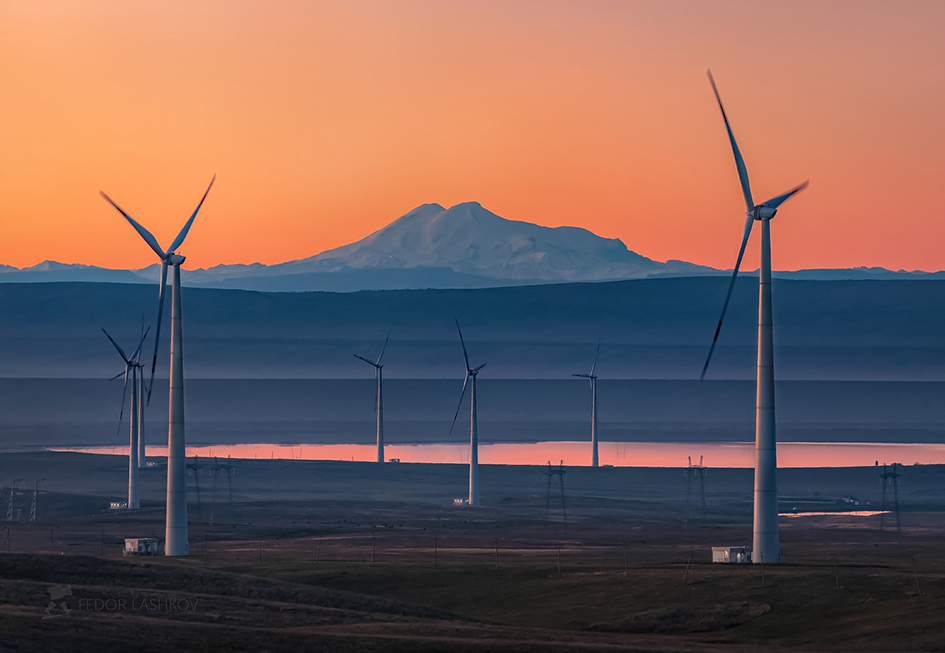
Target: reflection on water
column 620, row 454
column 852, row 513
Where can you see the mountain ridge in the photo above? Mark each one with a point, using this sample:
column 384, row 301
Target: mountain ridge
column 464, row 246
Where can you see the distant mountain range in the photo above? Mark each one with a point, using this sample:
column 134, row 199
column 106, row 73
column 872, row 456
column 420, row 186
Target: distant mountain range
column 465, row 246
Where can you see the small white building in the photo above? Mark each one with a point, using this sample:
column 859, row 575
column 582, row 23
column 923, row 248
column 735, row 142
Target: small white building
column 118, row 505
column 736, row 554
column 142, row 546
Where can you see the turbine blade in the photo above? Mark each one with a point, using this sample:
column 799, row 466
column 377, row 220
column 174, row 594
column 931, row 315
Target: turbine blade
column 728, row 295
column 183, row 232
column 157, row 330
column 138, row 352
column 775, row 202
column 460, row 404
column 465, row 357
column 121, row 413
column 372, row 363
column 479, row 368
column 144, row 335
column 739, row 161
column 144, row 385
column 383, row 349
column 594, row 366
column 120, row 350
column 116, row 376
column 583, row 376
column 144, row 233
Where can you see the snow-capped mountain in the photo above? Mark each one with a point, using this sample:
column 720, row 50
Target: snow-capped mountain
column 465, row 246
column 469, row 239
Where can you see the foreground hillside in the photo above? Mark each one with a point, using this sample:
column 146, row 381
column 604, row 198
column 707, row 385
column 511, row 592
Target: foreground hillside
column 355, row 556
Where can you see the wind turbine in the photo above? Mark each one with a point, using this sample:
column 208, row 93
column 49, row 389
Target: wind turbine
column 379, row 400
column 132, row 365
column 471, row 372
column 593, row 379
column 765, row 538
column 175, row 535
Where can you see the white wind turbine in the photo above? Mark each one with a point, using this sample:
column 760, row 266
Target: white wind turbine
column 132, row 365
column 379, row 400
column 765, row 538
column 593, row 379
column 471, row 372
column 175, row 535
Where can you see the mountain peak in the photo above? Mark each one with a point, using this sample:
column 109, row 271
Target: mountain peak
column 468, row 238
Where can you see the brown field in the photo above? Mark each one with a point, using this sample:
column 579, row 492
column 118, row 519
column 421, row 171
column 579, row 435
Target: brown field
column 353, row 556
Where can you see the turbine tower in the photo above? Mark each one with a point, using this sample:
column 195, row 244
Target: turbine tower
column 471, row 372
column 142, row 449
column 765, row 538
column 593, row 379
column 132, row 365
column 379, row 400
column 175, row 534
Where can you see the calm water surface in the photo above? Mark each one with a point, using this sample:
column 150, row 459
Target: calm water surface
column 618, row 454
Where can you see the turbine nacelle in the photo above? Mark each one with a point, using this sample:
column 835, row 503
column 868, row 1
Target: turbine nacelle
column 174, row 259
column 763, row 212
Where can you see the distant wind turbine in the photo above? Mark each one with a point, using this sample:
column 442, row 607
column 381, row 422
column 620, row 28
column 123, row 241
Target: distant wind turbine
column 132, row 365
column 379, row 400
column 471, row 372
column 766, row 538
column 593, row 379
column 175, row 536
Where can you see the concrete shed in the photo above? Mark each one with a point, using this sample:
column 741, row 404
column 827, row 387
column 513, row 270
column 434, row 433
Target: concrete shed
column 142, row 546
column 735, row 554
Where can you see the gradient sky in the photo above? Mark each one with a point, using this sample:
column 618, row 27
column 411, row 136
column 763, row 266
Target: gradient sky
column 324, row 121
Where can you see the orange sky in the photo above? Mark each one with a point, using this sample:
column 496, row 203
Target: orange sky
column 326, row 120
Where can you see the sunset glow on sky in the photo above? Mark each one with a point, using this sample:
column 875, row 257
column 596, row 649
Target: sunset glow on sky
column 324, row 121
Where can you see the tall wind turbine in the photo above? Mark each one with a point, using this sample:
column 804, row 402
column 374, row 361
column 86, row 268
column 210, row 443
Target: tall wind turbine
column 132, row 365
column 471, row 372
column 379, row 400
column 593, row 379
column 175, row 534
column 765, row 538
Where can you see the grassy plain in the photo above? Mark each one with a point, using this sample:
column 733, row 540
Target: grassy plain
column 352, row 556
